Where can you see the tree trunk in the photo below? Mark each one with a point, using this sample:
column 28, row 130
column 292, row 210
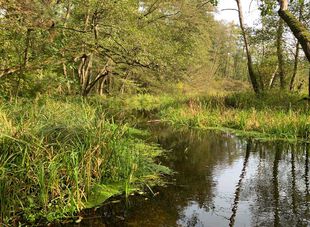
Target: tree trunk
column 309, row 83
column 64, row 67
column 296, row 57
column 252, row 74
column 27, row 45
column 273, row 77
column 25, row 60
column 84, row 71
column 298, row 29
column 102, row 76
column 280, row 53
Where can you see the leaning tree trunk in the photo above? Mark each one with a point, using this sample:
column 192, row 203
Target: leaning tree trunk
column 298, row 29
column 252, row 74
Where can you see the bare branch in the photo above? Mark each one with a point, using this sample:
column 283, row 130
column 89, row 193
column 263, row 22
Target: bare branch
column 151, row 9
column 72, row 29
column 164, row 16
column 203, row 4
column 229, row 9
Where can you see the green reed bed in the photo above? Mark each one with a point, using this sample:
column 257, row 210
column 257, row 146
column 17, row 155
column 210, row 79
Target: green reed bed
column 284, row 116
column 59, row 157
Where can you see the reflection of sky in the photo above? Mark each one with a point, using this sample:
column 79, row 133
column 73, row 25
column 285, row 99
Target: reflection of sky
column 250, row 11
column 226, row 178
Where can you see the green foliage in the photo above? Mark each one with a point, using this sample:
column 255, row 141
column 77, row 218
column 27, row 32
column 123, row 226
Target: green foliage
column 112, row 46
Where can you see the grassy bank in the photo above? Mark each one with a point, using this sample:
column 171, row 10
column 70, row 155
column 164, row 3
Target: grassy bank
column 269, row 115
column 59, row 157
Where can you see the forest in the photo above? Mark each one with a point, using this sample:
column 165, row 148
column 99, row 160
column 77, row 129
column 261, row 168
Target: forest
column 83, row 84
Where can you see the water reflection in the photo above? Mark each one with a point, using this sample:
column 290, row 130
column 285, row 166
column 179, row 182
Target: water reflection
column 238, row 188
column 221, row 180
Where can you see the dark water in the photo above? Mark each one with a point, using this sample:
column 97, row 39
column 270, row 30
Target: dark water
column 221, row 180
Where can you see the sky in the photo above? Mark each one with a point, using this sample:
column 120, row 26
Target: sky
column 250, row 11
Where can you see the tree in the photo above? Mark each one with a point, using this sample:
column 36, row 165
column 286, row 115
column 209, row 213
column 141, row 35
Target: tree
column 280, row 56
column 252, row 73
column 101, row 46
column 298, row 29
column 296, row 56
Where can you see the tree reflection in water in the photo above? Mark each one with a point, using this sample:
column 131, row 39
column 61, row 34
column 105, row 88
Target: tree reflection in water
column 238, row 188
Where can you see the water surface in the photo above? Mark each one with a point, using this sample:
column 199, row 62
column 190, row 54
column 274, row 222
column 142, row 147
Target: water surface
column 220, row 180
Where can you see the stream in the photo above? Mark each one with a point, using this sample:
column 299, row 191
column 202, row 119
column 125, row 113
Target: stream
column 220, row 180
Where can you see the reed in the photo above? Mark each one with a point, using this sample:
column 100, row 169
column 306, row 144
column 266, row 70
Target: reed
column 59, row 157
column 283, row 116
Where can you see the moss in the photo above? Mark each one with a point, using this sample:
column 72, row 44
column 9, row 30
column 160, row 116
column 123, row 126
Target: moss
column 298, row 29
column 295, row 24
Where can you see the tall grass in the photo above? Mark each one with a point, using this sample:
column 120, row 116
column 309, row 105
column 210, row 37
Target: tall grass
column 59, row 157
column 268, row 115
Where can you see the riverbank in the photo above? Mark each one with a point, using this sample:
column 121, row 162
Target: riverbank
column 62, row 155
column 268, row 116
column 59, row 157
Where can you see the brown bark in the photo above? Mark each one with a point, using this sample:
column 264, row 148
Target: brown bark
column 25, row 60
column 34, row 66
column 102, row 77
column 8, row 71
column 84, row 71
column 252, row 74
column 283, row 4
